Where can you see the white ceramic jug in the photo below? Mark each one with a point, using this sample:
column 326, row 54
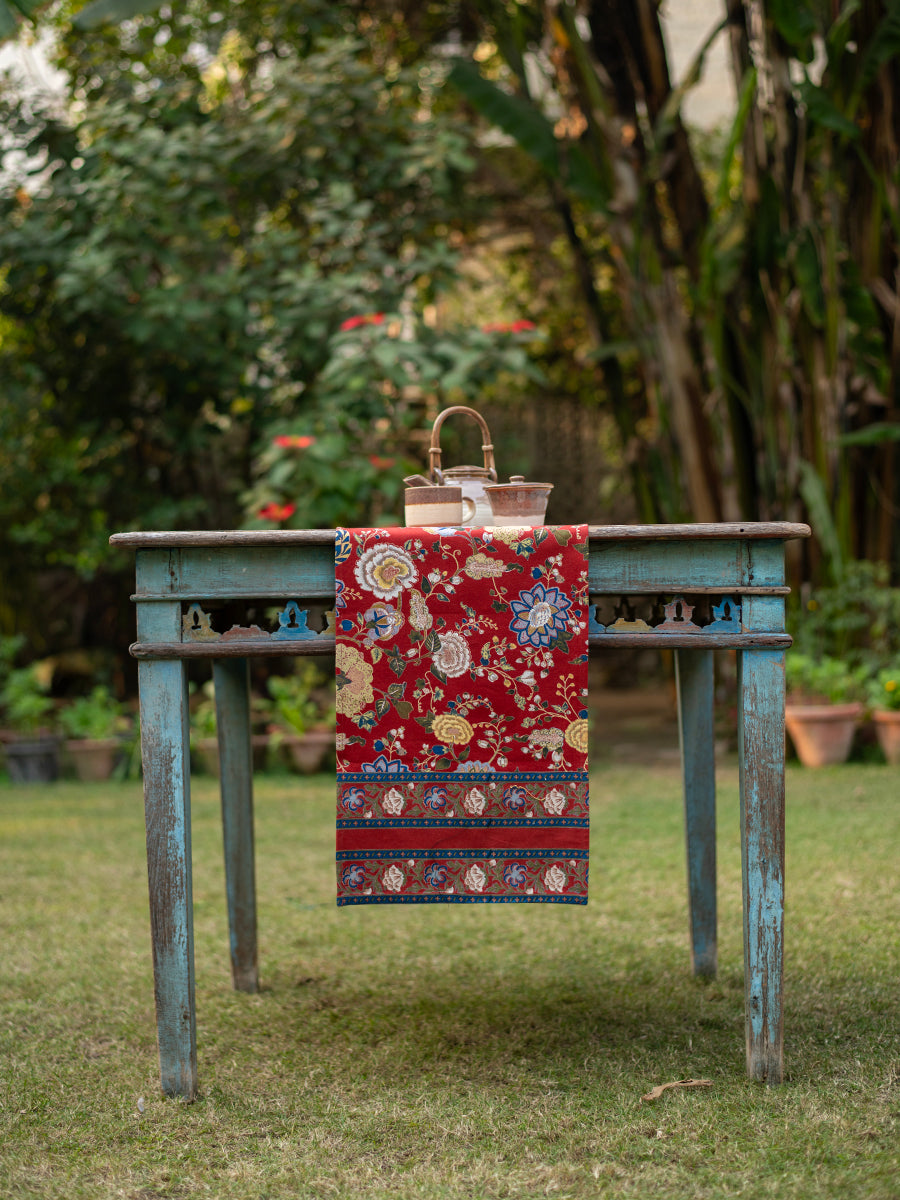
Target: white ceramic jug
column 470, row 478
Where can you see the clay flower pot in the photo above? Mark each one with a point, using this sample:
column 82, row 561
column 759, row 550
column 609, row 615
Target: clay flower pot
column 887, row 727
column 306, row 751
column 207, row 753
column 822, row 733
column 93, row 758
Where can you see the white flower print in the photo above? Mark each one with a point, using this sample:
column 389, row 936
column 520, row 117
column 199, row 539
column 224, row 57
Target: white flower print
column 555, row 879
column 419, row 616
column 555, row 802
column 386, row 571
column 473, row 801
column 454, row 657
column 393, row 803
column 392, row 879
column 475, row 878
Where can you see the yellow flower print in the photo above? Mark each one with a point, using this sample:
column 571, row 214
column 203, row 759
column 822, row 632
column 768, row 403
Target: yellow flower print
column 577, row 735
column 480, row 566
column 451, row 730
column 509, row 533
column 353, row 697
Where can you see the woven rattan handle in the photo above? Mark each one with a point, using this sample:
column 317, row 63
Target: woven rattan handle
column 434, row 450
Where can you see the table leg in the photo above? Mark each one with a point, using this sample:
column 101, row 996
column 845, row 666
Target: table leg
column 694, row 680
column 167, row 804
column 232, row 684
column 761, row 765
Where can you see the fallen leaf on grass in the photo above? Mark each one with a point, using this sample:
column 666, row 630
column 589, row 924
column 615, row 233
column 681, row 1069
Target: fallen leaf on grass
column 656, row 1092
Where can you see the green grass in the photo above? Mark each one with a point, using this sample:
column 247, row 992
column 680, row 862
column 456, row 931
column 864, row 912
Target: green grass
column 483, row 1051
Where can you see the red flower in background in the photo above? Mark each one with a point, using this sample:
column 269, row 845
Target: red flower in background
column 365, row 319
column 294, row 441
column 520, row 326
column 381, row 464
column 276, row 512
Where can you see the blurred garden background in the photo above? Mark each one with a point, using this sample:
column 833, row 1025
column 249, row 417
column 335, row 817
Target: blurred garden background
column 249, row 251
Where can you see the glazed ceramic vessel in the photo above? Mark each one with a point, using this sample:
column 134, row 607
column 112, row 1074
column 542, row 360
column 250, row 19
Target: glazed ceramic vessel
column 518, row 502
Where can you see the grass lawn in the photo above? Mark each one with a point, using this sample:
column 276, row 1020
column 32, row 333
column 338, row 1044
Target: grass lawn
column 449, row 1051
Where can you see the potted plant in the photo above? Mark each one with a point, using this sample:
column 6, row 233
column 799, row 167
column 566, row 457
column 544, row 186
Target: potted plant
column 204, row 731
column 32, row 749
column 884, row 701
column 303, row 712
column 823, row 707
column 94, row 726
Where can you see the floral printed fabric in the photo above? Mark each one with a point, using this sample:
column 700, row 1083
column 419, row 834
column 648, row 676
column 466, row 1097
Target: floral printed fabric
column 461, row 664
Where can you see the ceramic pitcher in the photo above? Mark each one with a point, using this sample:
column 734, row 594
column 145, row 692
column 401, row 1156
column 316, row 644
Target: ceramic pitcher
column 471, row 479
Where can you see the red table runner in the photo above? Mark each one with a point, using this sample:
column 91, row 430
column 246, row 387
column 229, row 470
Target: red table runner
column 461, row 664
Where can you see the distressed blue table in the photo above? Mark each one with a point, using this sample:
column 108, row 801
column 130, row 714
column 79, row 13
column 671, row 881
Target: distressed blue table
column 690, row 588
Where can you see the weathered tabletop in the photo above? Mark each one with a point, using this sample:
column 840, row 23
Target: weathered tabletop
column 730, row 575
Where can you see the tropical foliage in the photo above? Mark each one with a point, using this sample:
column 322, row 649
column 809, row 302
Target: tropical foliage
column 749, row 357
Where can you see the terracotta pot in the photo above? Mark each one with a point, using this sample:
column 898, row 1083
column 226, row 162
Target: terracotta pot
column 822, row 733
column 307, row 750
column 887, row 727
column 93, row 758
column 207, row 751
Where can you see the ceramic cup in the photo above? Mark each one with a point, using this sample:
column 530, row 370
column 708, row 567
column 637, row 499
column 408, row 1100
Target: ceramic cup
column 434, row 506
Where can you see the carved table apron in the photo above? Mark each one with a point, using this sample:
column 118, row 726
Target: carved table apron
column 732, row 574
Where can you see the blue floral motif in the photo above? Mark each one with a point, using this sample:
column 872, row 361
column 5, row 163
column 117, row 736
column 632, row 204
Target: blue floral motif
column 353, row 799
column 515, row 798
column 540, row 615
column 339, row 598
column 342, row 545
column 353, row 875
column 435, row 797
column 473, row 765
column 514, row 874
column 382, row 765
column 435, row 875
column 382, row 621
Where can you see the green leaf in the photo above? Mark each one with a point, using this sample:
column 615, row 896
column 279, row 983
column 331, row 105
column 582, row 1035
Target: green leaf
column 808, row 273
column 404, row 708
column 523, row 121
column 382, row 706
column 396, row 662
column 795, row 21
column 11, row 13
column 822, row 110
column 872, row 435
column 8, row 24
column 812, row 489
column 112, row 12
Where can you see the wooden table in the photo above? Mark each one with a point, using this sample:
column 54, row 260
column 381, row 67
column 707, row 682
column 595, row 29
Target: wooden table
column 734, row 573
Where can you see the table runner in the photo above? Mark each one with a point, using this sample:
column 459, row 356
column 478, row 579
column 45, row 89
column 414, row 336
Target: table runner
column 461, row 665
